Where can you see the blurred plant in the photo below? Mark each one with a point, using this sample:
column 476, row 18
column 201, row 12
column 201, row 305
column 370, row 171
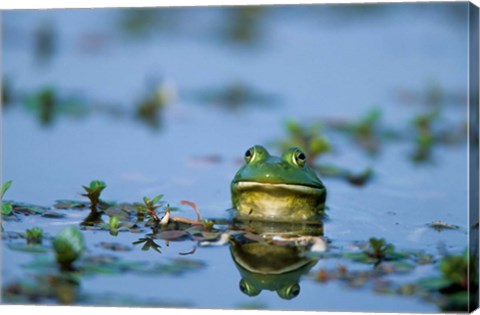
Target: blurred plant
column 68, row 246
column 61, row 287
column 93, row 193
column 149, row 108
column 379, row 249
column 309, row 139
column 34, row 235
column 424, row 138
column 7, row 93
column 458, row 283
column 367, row 131
column 6, row 206
column 430, row 131
column 312, row 141
column 433, row 95
column 45, row 42
column 141, row 22
column 140, row 211
column 113, row 224
column 138, row 21
column 148, row 243
column 243, row 24
column 235, row 95
column 357, row 179
column 48, row 104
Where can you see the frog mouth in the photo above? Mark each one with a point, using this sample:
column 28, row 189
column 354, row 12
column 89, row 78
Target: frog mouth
column 297, row 188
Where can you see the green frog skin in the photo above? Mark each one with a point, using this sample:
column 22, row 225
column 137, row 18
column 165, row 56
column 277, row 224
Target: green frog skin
column 277, row 188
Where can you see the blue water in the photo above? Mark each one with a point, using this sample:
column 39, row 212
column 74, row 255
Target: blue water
column 319, row 62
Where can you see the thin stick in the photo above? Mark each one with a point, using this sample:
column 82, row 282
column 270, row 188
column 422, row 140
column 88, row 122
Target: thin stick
column 194, row 206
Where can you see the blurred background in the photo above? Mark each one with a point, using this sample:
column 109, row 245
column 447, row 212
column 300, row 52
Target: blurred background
column 167, row 100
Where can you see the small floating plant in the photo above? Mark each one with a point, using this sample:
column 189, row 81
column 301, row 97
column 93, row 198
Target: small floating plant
column 68, row 246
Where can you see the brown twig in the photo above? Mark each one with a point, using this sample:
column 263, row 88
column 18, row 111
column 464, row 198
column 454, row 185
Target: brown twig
column 194, row 206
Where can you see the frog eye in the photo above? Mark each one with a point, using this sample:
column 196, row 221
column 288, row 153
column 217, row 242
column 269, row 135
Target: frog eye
column 248, row 289
column 256, row 153
column 249, row 154
column 299, row 157
column 289, row 292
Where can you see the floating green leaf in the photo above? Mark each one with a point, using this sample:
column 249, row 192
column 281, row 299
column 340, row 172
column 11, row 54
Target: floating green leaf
column 70, row 204
column 6, row 208
column 29, row 248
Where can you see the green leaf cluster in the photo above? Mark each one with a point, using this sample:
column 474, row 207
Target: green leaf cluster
column 93, row 192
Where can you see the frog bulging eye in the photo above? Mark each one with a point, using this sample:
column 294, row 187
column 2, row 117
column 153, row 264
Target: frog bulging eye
column 256, row 153
column 289, row 292
column 300, row 158
column 248, row 289
column 249, row 155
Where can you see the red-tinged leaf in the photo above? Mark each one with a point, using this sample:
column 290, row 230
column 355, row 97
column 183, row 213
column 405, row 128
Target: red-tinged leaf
column 194, row 206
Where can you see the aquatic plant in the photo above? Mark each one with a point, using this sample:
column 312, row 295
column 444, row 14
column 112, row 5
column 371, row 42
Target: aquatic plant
column 45, row 38
column 6, row 207
column 311, row 140
column 149, row 108
column 113, row 224
column 244, row 24
column 235, row 95
column 357, row 179
column 148, row 243
column 142, row 22
column 308, row 138
column 47, row 103
column 458, row 283
column 424, row 138
column 151, row 205
column 379, row 249
column 367, row 132
column 68, row 246
column 93, row 192
column 34, row 235
column 7, row 93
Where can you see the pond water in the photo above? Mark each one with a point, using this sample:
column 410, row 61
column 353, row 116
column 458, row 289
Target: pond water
column 304, row 63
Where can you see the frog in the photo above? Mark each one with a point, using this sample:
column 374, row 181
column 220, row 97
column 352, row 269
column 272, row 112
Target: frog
column 277, row 188
column 268, row 267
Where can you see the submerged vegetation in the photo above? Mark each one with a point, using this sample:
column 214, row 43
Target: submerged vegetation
column 73, row 262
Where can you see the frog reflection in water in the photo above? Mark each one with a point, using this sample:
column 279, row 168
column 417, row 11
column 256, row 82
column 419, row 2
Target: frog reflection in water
column 277, row 188
column 267, row 265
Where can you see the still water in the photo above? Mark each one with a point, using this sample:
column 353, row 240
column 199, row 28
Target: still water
column 303, row 63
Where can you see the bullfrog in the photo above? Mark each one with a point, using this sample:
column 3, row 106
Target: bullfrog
column 276, row 188
column 267, row 267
